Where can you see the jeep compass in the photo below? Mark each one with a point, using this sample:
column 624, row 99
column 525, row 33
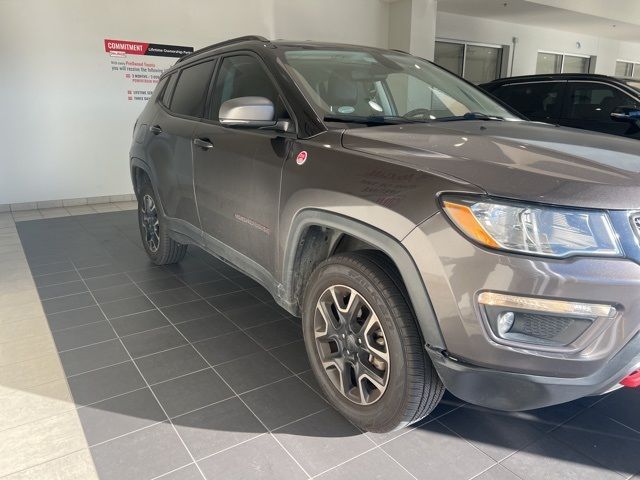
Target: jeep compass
column 427, row 236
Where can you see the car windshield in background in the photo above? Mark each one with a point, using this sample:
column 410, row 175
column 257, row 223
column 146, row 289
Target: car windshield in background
column 634, row 85
column 376, row 88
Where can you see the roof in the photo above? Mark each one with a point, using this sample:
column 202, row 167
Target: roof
column 556, row 76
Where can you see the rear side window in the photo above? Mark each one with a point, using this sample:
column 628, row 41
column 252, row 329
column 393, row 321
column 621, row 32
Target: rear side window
column 168, row 91
column 539, row 101
column 191, row 90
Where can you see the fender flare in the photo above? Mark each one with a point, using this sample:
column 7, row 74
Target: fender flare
column 144, row 166
column 392, row 247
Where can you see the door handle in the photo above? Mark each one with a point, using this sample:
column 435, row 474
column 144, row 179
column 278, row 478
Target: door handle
column 203, row 143
column 155, row 129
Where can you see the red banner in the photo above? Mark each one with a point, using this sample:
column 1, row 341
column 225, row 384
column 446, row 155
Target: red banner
column 131, row 48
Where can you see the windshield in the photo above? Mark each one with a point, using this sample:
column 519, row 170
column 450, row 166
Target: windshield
column 368, row 85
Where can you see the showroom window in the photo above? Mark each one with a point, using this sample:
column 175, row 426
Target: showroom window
column 191, row 90
column 627, row 69
column 475, row 62
column 549, row 62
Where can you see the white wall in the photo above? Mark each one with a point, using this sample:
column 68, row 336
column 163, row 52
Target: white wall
column 532, row 39
column 65, row 129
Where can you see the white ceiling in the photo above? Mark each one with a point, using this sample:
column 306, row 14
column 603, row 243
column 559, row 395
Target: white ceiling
column 617, row 19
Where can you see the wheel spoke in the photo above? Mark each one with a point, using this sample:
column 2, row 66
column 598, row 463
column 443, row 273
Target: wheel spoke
column 377, row 348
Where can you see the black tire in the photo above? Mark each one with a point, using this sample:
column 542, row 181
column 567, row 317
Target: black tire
column 413, row 387
column 163, row 250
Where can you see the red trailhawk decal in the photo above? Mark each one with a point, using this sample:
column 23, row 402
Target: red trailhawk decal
column 302, row 157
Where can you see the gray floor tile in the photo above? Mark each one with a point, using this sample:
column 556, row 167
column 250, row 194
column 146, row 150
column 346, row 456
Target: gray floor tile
column 253, row 316
column 604, row 440
column 127, row 306
column 200, row 276
column 622, row 405
column 148, row 273
column 372, row 465
column 95, row 356
column 173, row 297
column 55, row 278
column 497, row 472
column 227, row 347
column 283, row 402
column 432, row 449
column 293, row 356
column 189, row 311
column 548, row 459
column 61, row 289
column 251, row 372
column 143, row 454
column 261, row 293
column 207, row 327
column 118, row 292
column 496, row 434
column 160, row 284
column 231, row 301
column 190, row 472
column 104, row 383
column 170, row 364
column 120, row 415
column 107, row 281
column 139, row 322
column 70, row 302
column 192, row 391
column 322, row 441
column 75, row 318
column 100, row 271
column 215, row 288
column 275, row 334
column 84, row 335
column 217, row 427
column 153, row 341
column 55, row 267
column 261, row 458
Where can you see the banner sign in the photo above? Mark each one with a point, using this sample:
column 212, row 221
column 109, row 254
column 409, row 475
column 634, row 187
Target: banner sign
column 121, row 48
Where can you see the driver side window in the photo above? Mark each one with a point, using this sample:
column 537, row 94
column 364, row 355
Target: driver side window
column 243, row 76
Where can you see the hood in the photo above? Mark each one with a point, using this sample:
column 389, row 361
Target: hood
column 519, row 160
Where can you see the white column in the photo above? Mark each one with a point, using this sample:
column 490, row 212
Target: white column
column 412, row 26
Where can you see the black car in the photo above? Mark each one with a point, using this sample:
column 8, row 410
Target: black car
column 591, row 102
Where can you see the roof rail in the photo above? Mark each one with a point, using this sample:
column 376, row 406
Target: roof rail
column 246, row 38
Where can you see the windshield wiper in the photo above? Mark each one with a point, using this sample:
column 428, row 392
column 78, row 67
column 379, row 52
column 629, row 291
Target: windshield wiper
column 470, row 116
column 372, row 121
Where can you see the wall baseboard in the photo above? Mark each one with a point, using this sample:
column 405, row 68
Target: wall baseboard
column 67, row 202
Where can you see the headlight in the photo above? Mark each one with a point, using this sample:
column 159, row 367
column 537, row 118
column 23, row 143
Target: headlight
column 533, row 229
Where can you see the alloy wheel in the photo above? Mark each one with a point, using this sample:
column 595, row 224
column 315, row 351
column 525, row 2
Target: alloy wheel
column 150, row 224
column 351, row 344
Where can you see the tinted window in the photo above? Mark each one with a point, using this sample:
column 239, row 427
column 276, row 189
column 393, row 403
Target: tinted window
column 537, row 101
column 168, row 91
column 191, row 90
column 241, row 76
column 595, row 101
column 450, row 56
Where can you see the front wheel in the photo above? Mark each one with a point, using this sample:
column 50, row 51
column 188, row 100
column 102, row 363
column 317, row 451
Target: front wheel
column 161, row 249
column 364, row 345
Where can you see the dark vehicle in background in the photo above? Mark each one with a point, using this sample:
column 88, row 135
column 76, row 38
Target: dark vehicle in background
column 428, row 237
column 590, row 102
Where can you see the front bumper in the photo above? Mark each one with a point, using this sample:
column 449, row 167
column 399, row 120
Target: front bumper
column 515, row 377
column 518, row 391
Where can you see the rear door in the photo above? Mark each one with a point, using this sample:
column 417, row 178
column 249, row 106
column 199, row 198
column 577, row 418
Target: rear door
column 237, row 179
column 538, row 101
column 181, row 107
column 589, row 105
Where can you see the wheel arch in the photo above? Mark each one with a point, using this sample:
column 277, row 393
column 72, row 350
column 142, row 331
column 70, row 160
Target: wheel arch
column 317, row 234
column 139, row 170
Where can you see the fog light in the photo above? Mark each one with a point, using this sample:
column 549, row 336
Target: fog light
column 505, row 322
column 539, row 321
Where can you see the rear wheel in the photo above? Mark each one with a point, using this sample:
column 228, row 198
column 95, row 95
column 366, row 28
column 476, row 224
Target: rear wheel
column 364, row 344
column 161, row 249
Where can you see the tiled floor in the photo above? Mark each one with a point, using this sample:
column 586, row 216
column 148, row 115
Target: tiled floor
column 192, row 371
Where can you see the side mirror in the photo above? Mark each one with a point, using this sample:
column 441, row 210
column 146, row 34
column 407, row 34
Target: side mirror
column 247, row 112
column 626, row 114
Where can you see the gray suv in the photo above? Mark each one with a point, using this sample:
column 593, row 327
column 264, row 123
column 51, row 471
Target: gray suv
column 428, row 237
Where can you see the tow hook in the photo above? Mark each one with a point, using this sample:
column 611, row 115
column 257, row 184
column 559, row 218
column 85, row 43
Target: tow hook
column 632, row 380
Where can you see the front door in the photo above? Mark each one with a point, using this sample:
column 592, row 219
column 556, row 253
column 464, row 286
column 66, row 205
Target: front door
column 237, row 171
